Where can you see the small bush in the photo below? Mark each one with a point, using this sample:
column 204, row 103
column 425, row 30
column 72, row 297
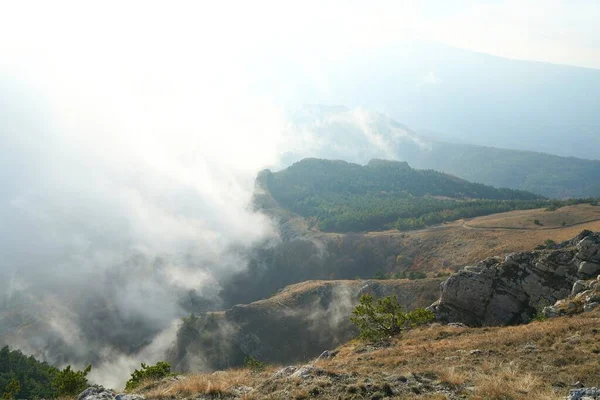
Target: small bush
column 69, row 382
column 385, row 317
column 414, row 275
column 253, row 364
column 537, row 222
column 548, row 244
column 539, row 317
column 161, row 370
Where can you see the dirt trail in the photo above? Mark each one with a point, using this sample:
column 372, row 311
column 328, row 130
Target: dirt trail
column 514, row 228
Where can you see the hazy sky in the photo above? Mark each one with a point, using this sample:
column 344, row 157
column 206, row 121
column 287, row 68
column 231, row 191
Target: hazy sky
column 543, row 30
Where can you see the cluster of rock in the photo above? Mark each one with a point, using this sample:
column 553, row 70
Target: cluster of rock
column 101, row 393
column 584, row 394
column 584, row 297
column 585, row 294
column 514, row 289
column 344, row 385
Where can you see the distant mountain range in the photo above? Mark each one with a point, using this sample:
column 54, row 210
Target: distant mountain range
column 462, row 96
column 336, row 132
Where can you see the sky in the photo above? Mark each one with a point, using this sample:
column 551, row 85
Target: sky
column 137, row 127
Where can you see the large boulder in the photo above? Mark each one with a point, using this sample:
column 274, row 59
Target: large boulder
column 96, row 393
column 512, row 290
column 587, row 268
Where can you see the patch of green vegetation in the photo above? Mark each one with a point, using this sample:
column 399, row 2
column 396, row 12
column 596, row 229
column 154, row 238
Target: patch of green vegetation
column 12, row 389
column 385, row 317
column 548, row 244
column 161, row 370
column 69, row 382
column 539, row 311
column 253, row 364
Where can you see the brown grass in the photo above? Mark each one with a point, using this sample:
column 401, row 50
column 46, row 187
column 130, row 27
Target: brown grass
column 535, row 361
column 511, row 362
column 217, row 384
column 524, row 219
column 457, row 244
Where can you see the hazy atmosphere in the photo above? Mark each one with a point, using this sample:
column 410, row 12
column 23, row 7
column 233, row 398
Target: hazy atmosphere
column 131, row 136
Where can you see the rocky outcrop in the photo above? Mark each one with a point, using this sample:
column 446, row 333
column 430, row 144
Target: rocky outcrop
column 513, row 289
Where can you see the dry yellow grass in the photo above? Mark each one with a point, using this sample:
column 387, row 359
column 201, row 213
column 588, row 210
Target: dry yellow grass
column 462, row 243
column 524, row 219
column 528, row 361
column 535, row 361
column 219, row 384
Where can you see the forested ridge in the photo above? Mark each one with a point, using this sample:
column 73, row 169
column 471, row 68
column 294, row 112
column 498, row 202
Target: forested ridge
column 24, row 377
column 34, row 377
column 342, row 196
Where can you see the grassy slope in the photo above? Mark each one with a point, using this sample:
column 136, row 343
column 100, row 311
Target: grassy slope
column 535, row 361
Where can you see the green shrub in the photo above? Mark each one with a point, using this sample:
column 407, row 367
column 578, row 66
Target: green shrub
column 161, row 370
column 385, row 317
column 539, row 311
column 414, row 275
column 12, row 390
column 69, row 382
column 537, row 222
column 253, row 364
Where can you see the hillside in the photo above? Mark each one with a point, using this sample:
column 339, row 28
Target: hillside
column 360, row 135
column 537, row 361
column 549, row 175
column 543, row 356
column 305, row 254
column 314, row 315
column 341, row 196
